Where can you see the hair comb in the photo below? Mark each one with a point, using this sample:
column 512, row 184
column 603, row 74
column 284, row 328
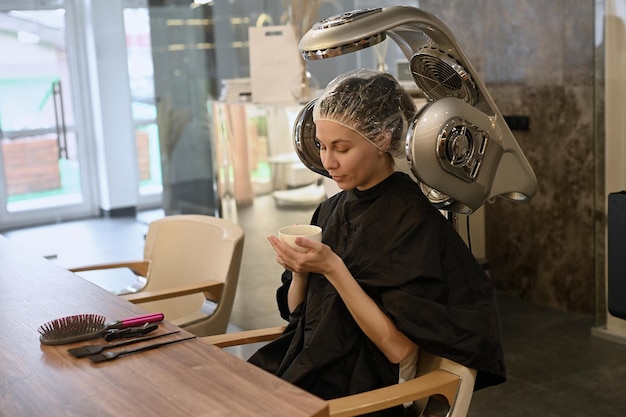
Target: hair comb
column 79, row 327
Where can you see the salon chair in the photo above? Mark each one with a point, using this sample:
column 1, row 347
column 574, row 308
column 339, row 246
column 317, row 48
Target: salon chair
column 189, row 271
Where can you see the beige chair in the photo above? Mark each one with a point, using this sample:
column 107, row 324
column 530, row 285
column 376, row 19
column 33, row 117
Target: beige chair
column 189, row 271
column 436, row 376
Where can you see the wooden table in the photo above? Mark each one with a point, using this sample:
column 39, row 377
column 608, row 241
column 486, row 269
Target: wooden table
column 190, row 378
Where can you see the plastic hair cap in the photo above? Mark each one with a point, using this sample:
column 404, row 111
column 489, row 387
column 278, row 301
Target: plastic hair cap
column 372, row 103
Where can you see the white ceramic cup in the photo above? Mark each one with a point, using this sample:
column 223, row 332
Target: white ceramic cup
column 288, row 234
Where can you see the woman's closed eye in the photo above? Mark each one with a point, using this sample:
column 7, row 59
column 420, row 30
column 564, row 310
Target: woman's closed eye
column 334, row 148
column 339, row 146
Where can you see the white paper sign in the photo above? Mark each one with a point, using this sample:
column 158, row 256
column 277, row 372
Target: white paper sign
column 275, row 63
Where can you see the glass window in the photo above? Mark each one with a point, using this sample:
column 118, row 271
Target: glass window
column 141, row 75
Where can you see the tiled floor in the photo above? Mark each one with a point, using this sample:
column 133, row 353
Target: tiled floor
column 555, row 367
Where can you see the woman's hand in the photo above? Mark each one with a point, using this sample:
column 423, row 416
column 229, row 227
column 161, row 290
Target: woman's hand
column 318, row 257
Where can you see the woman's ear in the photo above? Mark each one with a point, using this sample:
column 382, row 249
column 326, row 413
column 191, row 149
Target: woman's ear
column 385, row 142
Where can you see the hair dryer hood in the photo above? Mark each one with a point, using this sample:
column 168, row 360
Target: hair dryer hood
column 459, row 143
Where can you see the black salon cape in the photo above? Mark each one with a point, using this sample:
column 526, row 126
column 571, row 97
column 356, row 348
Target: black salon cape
column 407, row 256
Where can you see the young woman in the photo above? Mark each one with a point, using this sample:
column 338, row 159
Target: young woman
column 390, row 274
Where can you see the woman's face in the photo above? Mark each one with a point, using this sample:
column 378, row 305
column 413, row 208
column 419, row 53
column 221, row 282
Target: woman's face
column 351, row 160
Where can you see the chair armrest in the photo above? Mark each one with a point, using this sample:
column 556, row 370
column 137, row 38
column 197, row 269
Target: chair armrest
column 211, row 289
column 245, row 337
column 437, row 381
column 138, row 267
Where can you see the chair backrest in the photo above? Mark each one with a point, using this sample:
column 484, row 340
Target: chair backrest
column 427, row 362
column 188, row 248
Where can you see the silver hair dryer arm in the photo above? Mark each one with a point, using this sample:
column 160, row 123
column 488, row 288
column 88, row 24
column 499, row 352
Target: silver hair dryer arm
column 408, row 26
column 441, row 70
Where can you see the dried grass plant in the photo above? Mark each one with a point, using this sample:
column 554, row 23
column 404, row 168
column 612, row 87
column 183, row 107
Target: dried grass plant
column 301, row 15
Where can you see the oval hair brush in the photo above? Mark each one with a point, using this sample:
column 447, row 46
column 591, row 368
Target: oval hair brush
column 79, row 327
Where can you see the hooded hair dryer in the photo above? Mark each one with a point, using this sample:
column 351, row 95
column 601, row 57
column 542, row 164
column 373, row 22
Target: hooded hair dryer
column 458, row 145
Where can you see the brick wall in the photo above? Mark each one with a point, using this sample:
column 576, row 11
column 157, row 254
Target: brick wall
column 31, row 165
column 143, row 154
